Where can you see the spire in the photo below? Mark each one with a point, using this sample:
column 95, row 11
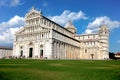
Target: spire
column 33, row 8
column 40, row 11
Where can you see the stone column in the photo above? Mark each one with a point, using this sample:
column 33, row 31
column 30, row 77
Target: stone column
column 62, row 51
column 65, row 51
column 54, row 54
column 53, row 49
column 58, row 48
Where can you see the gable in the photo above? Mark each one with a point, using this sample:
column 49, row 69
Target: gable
column 32, row 15
column 32, row 29
column 22, row 30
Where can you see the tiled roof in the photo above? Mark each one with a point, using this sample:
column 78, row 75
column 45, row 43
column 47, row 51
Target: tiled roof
column 88, row 40
column 118, row 53
column 5, row 47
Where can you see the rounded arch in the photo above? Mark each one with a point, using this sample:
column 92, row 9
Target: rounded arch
column 41, row 46
column 31, row 43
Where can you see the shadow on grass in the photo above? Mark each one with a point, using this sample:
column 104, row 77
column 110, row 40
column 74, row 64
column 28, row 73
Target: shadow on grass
column 3, row 76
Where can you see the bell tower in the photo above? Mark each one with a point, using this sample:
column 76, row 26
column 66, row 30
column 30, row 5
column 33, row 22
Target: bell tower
column 104, row 41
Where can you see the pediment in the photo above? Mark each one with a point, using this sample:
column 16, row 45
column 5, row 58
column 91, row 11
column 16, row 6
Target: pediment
column 22, row 30
column 32, row 14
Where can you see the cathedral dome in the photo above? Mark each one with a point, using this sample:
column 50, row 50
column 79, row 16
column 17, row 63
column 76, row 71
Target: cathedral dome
column 70, row 27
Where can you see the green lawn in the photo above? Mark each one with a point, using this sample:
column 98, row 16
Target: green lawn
column 28, row 69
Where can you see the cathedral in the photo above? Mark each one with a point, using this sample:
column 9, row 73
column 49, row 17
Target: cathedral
column 42, row 38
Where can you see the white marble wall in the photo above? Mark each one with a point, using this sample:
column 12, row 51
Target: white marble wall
column 5, row 53
column 58, row 42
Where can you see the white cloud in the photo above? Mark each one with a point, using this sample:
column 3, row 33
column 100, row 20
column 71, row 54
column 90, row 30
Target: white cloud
column 10, row 3
column 8, row 29
column 88, row 31
column 14, row 2
column 94, row 26
column 66, row 16
column 13, row 22
column 8, row 35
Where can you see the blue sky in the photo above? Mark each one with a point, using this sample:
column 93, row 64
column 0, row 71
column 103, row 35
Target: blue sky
column 86, row 15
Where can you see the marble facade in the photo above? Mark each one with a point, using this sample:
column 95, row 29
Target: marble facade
column 45, row 39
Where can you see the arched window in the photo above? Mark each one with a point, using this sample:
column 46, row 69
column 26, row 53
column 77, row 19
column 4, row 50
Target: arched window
column 31, row 43
column 85, row 50
column 41, row 46
column 21, row 47
column 41, row 51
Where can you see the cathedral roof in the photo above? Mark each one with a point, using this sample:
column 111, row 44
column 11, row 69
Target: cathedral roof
column 6, row 48
column 118, row 53
column 70, row 25
column 89, row 40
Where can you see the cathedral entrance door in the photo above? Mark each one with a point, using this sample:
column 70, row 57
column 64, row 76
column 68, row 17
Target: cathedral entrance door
column 21, row 53
column 41, row 53
column 30, row 52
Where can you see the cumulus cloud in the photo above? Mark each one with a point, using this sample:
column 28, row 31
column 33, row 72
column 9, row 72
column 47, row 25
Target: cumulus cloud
column 8, row 35
column 66, row 16
column 15, row 2
column 8, row 29
column 12, row 23
column 94, row 26
column 10, row 3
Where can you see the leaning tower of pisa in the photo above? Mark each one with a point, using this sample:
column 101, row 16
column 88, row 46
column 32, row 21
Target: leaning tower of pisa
column 104, row 41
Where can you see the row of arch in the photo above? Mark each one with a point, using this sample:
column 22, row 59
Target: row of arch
column 63, row 50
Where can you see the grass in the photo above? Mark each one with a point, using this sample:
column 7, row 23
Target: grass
column 28, row 69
